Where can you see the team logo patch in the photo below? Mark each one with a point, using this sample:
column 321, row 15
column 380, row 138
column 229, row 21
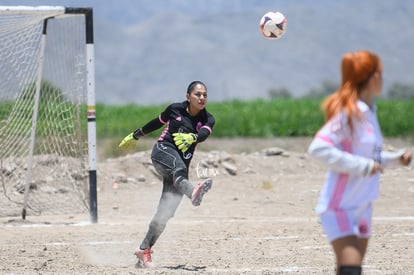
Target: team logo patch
column 199, row 125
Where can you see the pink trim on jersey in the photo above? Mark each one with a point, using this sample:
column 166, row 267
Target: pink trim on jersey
column 340, row 187
column 162, row 121
column 339, row 190
column 165, row 131
column 340, row 215
column 324, row 138
column 208, row 128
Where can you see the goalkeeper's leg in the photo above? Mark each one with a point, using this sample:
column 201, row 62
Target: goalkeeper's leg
column 200, row 190
column 169, row 201
column 194, row 193
column 169, row 164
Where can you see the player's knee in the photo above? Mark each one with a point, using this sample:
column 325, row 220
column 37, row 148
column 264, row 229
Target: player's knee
column 180, row 173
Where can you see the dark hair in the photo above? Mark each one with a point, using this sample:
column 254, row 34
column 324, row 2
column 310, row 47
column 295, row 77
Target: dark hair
column 193, row 84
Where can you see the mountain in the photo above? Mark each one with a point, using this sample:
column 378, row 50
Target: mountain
column 147, row 52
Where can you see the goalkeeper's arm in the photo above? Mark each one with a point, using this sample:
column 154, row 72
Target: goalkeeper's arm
column 151, row 126
column 203, row 134
column 130, row 140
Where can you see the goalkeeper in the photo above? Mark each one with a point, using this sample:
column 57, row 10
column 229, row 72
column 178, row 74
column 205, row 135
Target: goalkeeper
column 186, row 124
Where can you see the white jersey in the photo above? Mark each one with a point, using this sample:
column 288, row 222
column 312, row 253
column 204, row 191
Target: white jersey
column 350, row 158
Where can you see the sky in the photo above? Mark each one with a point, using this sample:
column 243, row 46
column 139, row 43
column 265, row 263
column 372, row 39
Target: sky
column 297, row 52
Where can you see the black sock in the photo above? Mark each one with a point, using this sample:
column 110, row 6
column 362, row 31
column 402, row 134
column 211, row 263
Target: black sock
column 350, row 270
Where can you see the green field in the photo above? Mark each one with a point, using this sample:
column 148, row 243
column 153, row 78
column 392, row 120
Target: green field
column 257, row 118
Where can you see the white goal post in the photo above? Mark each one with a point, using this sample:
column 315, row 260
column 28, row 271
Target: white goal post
column 47, row 111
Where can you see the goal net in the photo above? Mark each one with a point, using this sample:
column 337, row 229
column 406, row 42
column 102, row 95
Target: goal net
column 47, row 111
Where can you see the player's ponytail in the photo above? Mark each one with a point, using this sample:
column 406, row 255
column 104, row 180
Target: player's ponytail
column 356, row 69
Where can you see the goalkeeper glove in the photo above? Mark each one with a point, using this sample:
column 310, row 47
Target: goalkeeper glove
column 183, row 141
column 130, row 141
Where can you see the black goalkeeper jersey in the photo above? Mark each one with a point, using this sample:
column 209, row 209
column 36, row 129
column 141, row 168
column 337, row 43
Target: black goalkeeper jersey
column 177, row 120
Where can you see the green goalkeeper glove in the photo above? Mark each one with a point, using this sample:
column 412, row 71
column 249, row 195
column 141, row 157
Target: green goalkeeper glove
column 129, row 142
column 184, row 141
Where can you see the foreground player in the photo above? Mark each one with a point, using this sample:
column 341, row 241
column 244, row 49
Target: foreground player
column 350, row 143
column 187, row 123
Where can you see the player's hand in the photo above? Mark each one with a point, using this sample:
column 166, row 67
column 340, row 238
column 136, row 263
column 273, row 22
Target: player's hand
column 406, row 158
column 183, row 141
column 129, row 142
column 377, row 168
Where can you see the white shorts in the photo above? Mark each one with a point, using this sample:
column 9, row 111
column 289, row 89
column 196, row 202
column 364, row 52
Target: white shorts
column 338, row 223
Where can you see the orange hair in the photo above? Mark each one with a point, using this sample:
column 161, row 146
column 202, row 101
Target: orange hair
column 357, row 68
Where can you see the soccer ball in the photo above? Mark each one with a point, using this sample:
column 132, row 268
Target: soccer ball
column 273, row 25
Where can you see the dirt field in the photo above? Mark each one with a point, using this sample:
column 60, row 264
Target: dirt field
column 257, row 219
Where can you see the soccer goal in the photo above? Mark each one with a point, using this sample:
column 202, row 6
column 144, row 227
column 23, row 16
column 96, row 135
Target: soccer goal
column 47, row 111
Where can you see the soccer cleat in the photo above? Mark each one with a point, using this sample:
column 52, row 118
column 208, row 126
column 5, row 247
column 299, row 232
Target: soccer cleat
column 144, row 258
column 200, row 190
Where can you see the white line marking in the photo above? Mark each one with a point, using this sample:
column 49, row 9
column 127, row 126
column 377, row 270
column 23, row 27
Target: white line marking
column 92, row 243
column 406, row 218
column 39, row 225
column 220, row 220
column 294, row 269
column 265, row 238
column 315, row 247
column 403, row 234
